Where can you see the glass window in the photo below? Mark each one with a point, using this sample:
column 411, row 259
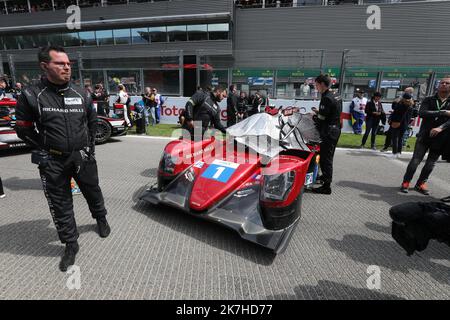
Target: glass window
column 71, row 39
column 26, row 42
column 41, row 40
column 363, row 79
column 87, row 38
column 166, row 81
column 41, row 5
column 177, row 33
column 93, row 77
column 140, row 35
column 394, row 84
column 197, row 32
column 122, row 36
column 158, row 34
column 129, row 78
column 11, row 42
column 104, row 37
column 55, row 39
column 209, row 78
column 218, row 31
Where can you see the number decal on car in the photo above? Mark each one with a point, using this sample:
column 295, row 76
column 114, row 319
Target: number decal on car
column 220, row 171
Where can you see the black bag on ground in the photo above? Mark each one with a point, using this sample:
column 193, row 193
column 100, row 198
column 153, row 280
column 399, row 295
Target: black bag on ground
column 416, row 223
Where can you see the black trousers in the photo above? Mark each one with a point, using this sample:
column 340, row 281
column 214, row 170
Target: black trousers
column 56, row 176
column 1, row 187
column 397, row 139
column 327, row 149
column 371, row 127
column 388, row 141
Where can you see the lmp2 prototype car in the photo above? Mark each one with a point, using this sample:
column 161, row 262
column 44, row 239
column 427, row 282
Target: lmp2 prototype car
column 106, row 127
column 252, row 183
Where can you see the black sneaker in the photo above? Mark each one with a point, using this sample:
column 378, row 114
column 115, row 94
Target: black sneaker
column 446, row 199
column 68, row 259
column 322, row 190
column 103, row 227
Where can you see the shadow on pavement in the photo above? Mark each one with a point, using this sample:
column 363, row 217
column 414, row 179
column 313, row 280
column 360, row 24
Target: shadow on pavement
column 34, row 238
column 17, row 184
column 378, row 227
column 150, row 173
column 388, row 254
column 224, row 239
column 335, row 291
column 390, row 195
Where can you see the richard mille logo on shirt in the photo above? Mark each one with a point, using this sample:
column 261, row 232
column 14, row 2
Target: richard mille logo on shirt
column 62, row 110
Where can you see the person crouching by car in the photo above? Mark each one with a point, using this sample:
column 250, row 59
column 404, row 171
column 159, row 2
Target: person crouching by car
column 374, row 113
column 201, row 110
column 399, row 120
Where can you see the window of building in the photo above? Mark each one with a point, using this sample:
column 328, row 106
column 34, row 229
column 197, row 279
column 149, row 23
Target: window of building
column 122, row 36
column 213, row 78
column 104, row 37
column 40, row 40
column 93, row 77
column 197, row 32
column 129, row 78
column 55, row 39
column 177, row 33
column 11, row 42
column 394, row 83
column 87, row 38
column 20, row 6
column 26, row 42
column 218, row 31
column 158, row 34
column 71, row 39
column 167, row 82
column 140, row 35
column 39, row 5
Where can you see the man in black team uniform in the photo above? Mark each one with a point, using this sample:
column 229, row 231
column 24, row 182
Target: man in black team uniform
column 203, row 109
column 57, row 119
column 329, row 123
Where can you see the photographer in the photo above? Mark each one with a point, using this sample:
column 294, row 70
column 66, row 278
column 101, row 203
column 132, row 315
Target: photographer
column 57, row 118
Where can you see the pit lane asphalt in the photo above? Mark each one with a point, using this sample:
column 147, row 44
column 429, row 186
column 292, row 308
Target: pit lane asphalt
column 155, row 253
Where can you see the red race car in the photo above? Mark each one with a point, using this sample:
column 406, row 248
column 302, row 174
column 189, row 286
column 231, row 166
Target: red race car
column 252, row 183
column 106, row 127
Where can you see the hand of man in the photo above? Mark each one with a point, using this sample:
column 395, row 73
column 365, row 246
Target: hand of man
column 190, row 123
column 447, row 113
column 434, row 132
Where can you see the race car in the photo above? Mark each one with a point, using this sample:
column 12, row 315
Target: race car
column 106, row 127
column 252, row 182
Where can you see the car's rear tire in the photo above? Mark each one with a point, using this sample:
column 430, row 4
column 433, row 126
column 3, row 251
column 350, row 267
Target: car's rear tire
column 103, row 131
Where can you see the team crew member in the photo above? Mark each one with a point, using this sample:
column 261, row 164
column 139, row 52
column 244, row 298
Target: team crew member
column 328, row 117
column 203, row 108
column 58, row 120
column 232, row 102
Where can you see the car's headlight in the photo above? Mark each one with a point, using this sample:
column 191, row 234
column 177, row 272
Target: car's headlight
column 168, row 163
column 276, row 187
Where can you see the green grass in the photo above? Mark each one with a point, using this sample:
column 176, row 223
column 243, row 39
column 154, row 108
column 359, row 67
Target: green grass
column 347, row 140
